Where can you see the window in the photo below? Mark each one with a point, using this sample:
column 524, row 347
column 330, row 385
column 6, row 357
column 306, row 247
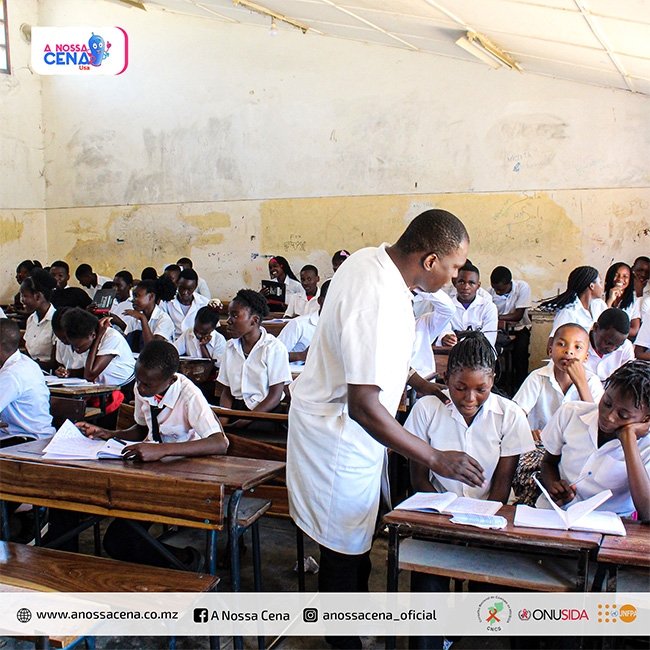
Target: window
column 5, row 63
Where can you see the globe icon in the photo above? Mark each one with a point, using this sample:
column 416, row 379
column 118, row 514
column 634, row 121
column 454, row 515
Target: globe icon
column 24, row 615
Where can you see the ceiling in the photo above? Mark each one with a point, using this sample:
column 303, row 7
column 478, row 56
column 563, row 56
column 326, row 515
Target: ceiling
column 600, row 42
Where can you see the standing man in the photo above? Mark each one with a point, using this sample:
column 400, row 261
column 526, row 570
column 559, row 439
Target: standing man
column 342, row 414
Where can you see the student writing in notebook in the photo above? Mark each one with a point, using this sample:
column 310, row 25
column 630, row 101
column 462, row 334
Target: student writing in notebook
column 71, row 364
column 591, row 448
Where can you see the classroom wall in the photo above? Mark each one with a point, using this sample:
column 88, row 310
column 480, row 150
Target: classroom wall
column 228, row 146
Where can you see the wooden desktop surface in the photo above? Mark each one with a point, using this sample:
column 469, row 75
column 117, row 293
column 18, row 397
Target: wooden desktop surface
column 634, row 549
column 82, row 391
column 186, row 491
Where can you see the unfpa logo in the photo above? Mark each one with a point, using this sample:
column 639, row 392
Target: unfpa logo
column 609, row 614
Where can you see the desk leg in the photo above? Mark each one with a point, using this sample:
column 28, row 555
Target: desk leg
column 4, row 522
column 583, row 571
column 212, row 552
column 233, row 512
column 393, row 571
column 612, row 578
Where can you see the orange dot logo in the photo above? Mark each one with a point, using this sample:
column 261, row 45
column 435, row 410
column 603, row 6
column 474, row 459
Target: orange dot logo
column 627, row 613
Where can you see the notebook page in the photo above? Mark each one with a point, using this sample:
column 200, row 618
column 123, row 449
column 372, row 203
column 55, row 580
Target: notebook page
column 562, row 514
column 579, row 510
column 69, row 442
column 427, row 501
column 467, row 505
column 538, row 518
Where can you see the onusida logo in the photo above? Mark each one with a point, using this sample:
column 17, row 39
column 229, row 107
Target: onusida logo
column 79, row 50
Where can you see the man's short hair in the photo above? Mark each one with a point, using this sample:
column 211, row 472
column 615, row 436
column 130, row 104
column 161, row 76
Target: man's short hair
column 9, row 335
column 83, row 270
column 62, row 265
column 614, row 318
column 501, row 275
column 433, row 231
column 161, row 356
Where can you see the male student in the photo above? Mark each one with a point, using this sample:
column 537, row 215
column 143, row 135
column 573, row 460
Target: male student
column 343, row 404
column 202, row 286
column 89, row 280
column 63, row 295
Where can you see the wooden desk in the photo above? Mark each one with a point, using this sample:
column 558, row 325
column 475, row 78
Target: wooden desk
column 441, row 356
column 184, row 491
column 80, row 392
column 632, row 551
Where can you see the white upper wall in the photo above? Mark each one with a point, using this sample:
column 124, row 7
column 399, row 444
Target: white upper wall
column 211, row 111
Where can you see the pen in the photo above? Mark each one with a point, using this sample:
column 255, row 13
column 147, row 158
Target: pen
column 124, row 442
column 582, row 477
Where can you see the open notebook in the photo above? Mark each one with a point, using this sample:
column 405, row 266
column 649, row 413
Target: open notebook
column 68, row 443
column 580, row 516
column 448, row 502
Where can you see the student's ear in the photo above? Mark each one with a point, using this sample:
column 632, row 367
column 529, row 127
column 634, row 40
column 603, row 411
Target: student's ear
column 478, row 285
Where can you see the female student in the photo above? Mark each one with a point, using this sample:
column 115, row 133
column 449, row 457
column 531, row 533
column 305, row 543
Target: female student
column 123, row 286
column 70, row 363
column 591, row 448
column 149, row 317
column 338, row 258
column 609, row 347
column 619, row 288
column 36, row 293
column 203, row 340
column 183, row 308
column 581, row 302
column 255, row 367
column 280, row 271
column 23, row 271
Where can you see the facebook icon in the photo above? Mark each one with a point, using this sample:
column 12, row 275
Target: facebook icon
column 200, row 615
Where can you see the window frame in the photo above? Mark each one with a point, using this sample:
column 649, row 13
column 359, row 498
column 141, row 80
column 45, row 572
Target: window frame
column 5, row 46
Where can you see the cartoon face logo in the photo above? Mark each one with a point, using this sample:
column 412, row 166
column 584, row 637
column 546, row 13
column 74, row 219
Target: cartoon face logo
column 98, row 49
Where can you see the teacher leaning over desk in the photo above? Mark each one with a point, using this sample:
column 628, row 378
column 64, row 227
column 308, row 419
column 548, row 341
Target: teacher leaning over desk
column 343, row 405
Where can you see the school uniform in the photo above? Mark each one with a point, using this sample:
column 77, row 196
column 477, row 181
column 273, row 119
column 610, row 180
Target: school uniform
column 334, row 467
column 576, row 313
column 120, row 371
column 68, row 358
column 39, row 337
column 499, row 429
column 643, row 337
column 249, row 378
column 540, row 396
column 604, row 365
column 2, row 314
column 183, row 316
column 118, row 308
column 427, row 329
column 520, row 296
column 481, row 314
column 24, row 398
column 202, row 289
column 101, row 281
column 187, row 344
column 302, row 305
column 160, row 324
column 572, row 434
column 640, row 308
column 298, row 333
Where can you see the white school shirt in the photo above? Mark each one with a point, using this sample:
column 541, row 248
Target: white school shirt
column 291, row 286
column 186, row 414
column 202, row 289
column 160, row 324
column 520, row 296
column 121, row 369
column 39, row 337
column 298, row 333
column 249, row 378
column 101, row 281
column 427, row 329
column 576, row 313
column 68, row 358
column 187, row 344
column 183, row 319
column 481, row 314
column 604, row 365
column 118, row 308
column 2, row 314
column 641, row 308
column 540, row 396
column 300, row 305
column 573, row 434
column 24, row 397
column 334, row 467
column 499, row 429
column 643, row 337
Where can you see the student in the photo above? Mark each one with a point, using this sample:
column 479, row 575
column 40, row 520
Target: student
column 89, row 280
column 203, row 340
column 2, row 313
column 298, row 333
column 149, row 318
column 63, row 295
column 172, row 418
column 24, row 396
column 590, row 448
column 173, row 272
column 183, row 308
column 338, row 258
column 642, row 342
column 473, row 311
column 255, row 366
column 641, row 272
column 581, row 302
column 110, row 360
column 513, row 299
column 307, row 302
column 149, row 273
column 36, row 292
column 123, row 287
column 23, row 271
column 619, row 288
column 201, row 286
column 70, row 363
column 609, row 347
column 280, row 271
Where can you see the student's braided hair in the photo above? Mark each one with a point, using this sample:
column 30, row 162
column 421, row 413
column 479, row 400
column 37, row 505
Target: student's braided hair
column 473, row 352
column 633, row 378
column 254, row 300
column 578, row 282
column 628, row 294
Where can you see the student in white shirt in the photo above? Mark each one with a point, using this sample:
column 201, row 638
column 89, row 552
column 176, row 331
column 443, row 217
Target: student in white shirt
column 298, row 333
column 172, row 418
column 619, row 288
column 255, row 367
column 182, row 309
column 70, row 363
column 280, row 271
column 338, row 258
column 203, row 340
column 2, row 313
column 581, row 302
column 641, row 272
column 513, row 299
column 473, row 311
column 609, row 347
column 36, row 292
column 642, row 342
column 307, row 303
column 149, row 318
column 89, row 280
column 591, row 448
column 24, row 396
column 123, row 286
column 201, row 286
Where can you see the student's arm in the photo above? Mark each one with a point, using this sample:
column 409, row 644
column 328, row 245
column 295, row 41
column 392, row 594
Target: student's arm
column 226, row 400
column 424, row 387
column 298, row 356
column 366, row 409
column 147, row 334
column 502, row 478
column 642, row 353
column 559, row 489
column 95, row 364
column 490, row 324
column 576, row 371
column 215, row 444
column 514, row 316
column 116, row 320
column 637, row 474
column 136, row 433
column 420, row 478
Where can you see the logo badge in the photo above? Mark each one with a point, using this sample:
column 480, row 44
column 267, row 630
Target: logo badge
column 494, row 612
